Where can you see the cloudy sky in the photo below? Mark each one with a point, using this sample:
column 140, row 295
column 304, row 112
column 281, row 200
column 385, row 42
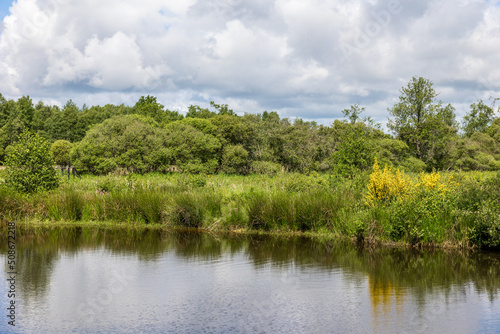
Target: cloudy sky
column 302, row 58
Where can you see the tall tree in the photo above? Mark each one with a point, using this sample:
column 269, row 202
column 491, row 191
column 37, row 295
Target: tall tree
column 26, row 111
column 478, row 118
column 42, row 119
column 423, row 123
column 198, row 112
column 223, row 109
column 149, row 106
column 74, row 127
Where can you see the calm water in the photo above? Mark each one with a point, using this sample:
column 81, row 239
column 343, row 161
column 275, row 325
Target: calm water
column 77, row 280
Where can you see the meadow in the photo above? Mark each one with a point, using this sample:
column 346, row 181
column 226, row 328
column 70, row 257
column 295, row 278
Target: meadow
column 455, row 209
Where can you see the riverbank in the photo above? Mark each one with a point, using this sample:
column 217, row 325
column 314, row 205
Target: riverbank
column 454, row 210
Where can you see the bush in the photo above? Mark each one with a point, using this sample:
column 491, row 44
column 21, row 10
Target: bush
column 59, row 151
column 235, row 160
column 29, row 165
column 486, row 230
column 190, row 149
column 414, row 165
column 384, row 185
column 131, row 142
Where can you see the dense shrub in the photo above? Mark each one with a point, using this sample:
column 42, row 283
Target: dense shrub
column 190, row 149
column 235, row 160
column 131, row 142
column 60, row 150
column 30, row 166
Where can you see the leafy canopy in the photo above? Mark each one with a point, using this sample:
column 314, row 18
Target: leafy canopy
column 423, row 123
column 478, row 118
column 29, row 165
column 59, row 151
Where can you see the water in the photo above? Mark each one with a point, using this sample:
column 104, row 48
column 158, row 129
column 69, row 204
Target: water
column 76, row 280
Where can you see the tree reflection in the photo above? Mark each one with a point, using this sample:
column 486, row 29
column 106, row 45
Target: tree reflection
column 390, row 272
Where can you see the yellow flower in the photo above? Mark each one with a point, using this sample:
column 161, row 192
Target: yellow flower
column 387, row 185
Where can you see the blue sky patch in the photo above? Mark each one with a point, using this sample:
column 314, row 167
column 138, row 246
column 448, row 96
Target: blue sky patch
column 4, row 8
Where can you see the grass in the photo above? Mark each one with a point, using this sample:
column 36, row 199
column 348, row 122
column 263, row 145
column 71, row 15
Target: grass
column 466, row 215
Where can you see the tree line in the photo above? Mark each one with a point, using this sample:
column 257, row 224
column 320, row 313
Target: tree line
column 148, row 137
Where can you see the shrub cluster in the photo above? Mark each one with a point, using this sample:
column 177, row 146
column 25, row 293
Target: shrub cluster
column 433, row 208
column 426, row 209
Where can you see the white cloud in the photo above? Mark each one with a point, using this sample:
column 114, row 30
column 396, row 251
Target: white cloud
column 309, row 59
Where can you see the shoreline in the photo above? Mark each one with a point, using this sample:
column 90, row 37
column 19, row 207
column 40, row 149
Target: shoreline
column 320, row 236
column 438, row 211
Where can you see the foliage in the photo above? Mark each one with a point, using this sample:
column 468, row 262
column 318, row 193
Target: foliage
column 30, row 166
column 131, row 142
column 59, row 151
column 232, row 130
column 295, row 145
column 235, row 160
column 201, row 124
column 477, row 152
column 478, row 118
column 422, row 123
column 150, row 107
column 386, row 185
column 354, row 152
column 459, row 209
column 71, row 128
column 391, row 151
column 216, row 139
column 191, row 150
column 198, row 112
column 265, row 167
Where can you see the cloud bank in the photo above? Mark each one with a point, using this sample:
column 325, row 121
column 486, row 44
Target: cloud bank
column 304, row 59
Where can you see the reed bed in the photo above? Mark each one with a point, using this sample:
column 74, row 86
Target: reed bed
column 458, row 209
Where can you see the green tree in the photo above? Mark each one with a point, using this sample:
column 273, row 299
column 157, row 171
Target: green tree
column 478, row 118
column 130, row 142
column 296, row 145
column 59, row 151
column 8, row 110
column 26, row 111
column 494, row 130
column 263, row 130
column 231, row 130
column 9, row 134
column 223, row 109
column 353, row 113
column 202, row 124
column 235, row 160
column 355, row 151
column 423, row 123
column 73, row 128
column 198, row 112
column 42, row 119
column 29, row 165
column 56, row 125
column 149, row 106
column 190, row 149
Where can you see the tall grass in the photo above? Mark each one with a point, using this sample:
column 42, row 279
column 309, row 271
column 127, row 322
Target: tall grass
column 464, row 215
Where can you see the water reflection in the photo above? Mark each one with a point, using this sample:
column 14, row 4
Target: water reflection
column 257, row 283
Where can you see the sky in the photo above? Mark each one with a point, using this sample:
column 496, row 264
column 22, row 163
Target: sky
column 304, row 59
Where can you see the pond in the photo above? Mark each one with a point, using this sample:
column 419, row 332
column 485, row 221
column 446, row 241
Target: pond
column 95, row 280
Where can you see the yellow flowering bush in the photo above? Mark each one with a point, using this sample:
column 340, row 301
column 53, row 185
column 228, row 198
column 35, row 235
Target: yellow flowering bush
column 386, row 185
column 432, row 181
